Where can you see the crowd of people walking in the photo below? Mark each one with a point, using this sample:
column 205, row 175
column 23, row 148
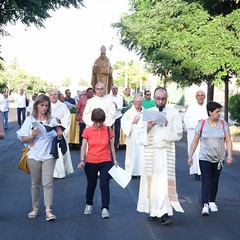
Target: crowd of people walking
column 148, row 127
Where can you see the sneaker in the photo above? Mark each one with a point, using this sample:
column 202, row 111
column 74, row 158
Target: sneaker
column 213, row 207
column 166, row 220
column 205, row 210
column 88, row 210
column 105, row 213
column 197, row 177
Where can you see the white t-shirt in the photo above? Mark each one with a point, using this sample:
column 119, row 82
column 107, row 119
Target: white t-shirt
column 4, row 104
column 21, row 100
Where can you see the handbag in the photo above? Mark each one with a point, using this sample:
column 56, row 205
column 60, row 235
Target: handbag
column 23, row 161
column 1, row 130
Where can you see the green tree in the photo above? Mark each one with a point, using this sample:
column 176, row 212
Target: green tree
column 130, row 74
column 119, row 73
column 31, row 12
column 185, row 41
column 66, row 82
column 83, row 83
column 234, row 105
column 12, row 77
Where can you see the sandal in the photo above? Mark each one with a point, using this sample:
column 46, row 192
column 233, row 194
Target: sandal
column 32, row 214
column 49, row 215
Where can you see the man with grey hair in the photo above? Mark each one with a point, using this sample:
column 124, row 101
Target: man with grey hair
column 100, row 100
column 194, row 113
column 21, row 106
column 132, row 126
column 62, row 114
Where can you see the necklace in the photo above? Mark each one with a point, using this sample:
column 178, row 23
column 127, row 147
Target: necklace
column 212, row 124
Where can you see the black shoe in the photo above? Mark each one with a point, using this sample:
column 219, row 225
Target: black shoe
column 166, row 220
column 197, row 177
column 152, row 218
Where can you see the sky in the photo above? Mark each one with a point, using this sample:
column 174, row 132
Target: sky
column 70, row 42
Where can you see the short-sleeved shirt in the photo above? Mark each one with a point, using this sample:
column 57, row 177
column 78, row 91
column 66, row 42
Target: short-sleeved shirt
column 80, row 106
column 148, row 103
column 98, row 145
column 212, row 147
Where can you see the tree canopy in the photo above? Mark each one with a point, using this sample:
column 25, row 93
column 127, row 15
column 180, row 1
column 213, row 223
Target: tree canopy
column 190, row 41
column 31, row 12
column 130, row 74
column 12, row 77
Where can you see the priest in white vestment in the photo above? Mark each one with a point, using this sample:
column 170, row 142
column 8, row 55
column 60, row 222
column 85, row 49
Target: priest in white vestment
column 194, row 113
column 100, row 100
column 157, row 191
column 132, row 126
column 61, row 112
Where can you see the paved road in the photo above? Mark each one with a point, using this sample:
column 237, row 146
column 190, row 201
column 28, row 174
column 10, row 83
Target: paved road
column 125, row 222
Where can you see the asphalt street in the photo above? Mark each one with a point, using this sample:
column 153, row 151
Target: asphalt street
column 125, row 222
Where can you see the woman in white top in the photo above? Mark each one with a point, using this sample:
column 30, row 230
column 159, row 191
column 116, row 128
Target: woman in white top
column 40, row 162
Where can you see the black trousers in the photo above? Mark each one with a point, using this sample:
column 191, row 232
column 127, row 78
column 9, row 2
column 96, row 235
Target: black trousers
column 91, row 171
column 210, row 177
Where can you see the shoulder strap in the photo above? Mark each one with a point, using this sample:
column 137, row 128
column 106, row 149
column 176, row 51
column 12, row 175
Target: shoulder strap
column 202, row 125
column 108, row 129
column 222, row 121
column 201, row 128
column 109, row 141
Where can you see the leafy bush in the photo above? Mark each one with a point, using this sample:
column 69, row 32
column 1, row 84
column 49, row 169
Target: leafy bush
column 234, row 107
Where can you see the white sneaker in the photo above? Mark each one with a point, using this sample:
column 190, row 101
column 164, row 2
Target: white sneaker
column 205, row 210
column 105, row 213
column 88, row 210
column 213, row 207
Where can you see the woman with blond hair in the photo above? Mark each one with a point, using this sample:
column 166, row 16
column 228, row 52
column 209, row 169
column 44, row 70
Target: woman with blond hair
column 40, row 161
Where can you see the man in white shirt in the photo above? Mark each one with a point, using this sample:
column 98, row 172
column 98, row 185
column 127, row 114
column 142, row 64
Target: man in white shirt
column 60, row 111
column 194, row 113
column 30, row 106
column 21, row 106
column 118, row 101
column 100, row 100
column 4, row 107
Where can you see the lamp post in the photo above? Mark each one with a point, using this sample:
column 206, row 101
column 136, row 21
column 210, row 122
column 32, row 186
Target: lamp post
column 110, row 49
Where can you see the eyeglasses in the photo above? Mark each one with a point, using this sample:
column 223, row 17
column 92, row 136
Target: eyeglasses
column 163, row 99
column 99, row 88
column 148, row 94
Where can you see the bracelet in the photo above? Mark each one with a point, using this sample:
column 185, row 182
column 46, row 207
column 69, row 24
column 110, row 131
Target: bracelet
column 82, row 161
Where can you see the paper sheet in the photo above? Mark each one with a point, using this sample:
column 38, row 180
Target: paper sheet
column 42, row 130
column 121, row 176
column 158, row 117
column 177, row 207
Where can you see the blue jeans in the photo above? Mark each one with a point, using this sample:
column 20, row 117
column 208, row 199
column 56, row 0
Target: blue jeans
column 117, row 127
column 21, row 111
column 5, row 119
column 91, row 171
column 210, row 178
